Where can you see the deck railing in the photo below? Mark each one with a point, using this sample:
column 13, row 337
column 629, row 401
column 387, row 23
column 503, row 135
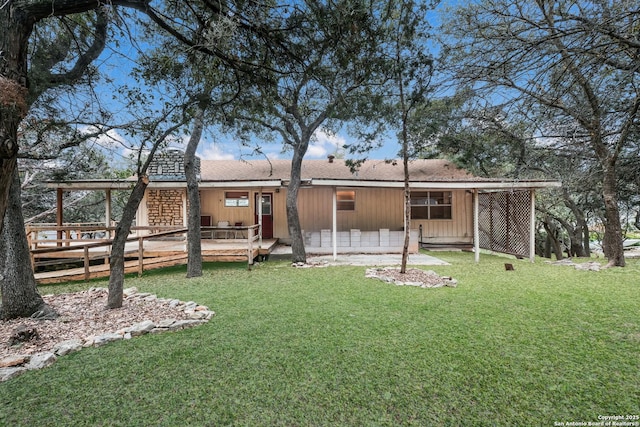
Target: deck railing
column 84, row 243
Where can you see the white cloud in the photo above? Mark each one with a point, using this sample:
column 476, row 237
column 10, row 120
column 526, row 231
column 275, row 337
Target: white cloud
column 316, row 150
column 332, row 140
column 323, row 143
column 110, row 139
column 214, row 152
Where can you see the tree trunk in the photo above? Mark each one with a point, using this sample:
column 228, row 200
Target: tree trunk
column 194, row 235
column 612, row 241
column 407, row 217
column 547, row 246
column 16, row 28
column 293, row 219
column 116, row 267
column 20, row 297
column 553, row 238
column 7, row 168
column 579, row 242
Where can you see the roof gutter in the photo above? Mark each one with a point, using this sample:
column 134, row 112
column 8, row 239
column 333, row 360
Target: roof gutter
column 462, row 185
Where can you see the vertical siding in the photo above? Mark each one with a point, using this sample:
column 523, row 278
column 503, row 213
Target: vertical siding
column 279, row 201
column 375, row 208
column 457, row 229
column 212, row 203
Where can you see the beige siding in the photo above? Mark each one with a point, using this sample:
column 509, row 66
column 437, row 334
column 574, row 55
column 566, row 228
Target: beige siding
column 375, row 208
column 212, row 203
column 279, row 200
column 456, row 230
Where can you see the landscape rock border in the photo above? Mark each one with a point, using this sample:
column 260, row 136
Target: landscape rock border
column 196, row 314
column 413, row 277
column 585, row 266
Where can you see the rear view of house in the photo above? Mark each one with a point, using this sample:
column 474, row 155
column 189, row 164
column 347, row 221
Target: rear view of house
column 350, row 211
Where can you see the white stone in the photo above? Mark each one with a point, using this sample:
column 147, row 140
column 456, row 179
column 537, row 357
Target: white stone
column 130, row 291
column 65, row 347
column 181, row 324
column 41, row 360
column 106, row 338
column 141, row 328
column 165, row 323
column 8, row 373
column 198, row 315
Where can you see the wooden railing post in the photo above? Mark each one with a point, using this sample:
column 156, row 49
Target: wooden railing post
column 140, row 256
column 87, row 272
column 250, row 248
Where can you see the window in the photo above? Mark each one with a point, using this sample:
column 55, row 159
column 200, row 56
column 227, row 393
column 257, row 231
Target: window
column 236, row 198
column 431, row 204
column 346, row 200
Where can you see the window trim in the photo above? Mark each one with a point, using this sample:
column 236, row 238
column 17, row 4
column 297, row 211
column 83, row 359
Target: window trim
column 347, row 204
column 431, row 202
column 236, row 199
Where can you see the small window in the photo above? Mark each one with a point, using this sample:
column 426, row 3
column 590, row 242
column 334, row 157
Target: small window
column 346, row 200
column 431, row 205
column 236, row 198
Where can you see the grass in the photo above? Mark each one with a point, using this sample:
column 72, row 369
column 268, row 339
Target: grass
column 535, row 346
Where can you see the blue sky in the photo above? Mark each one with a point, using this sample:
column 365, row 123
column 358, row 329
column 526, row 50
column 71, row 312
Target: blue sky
column 116, row 63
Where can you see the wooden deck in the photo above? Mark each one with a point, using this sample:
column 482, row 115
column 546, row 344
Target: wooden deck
column 61, row 263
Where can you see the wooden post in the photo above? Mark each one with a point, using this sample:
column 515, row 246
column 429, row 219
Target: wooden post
column 260, row 217
column 532, row 227
column 334, row 224
column 87, row 273
column 140, row 256
column 249, row 248
column 107, row 213
column 476, row 225
column 59, row 216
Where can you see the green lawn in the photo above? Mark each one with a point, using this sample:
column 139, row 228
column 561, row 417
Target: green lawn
column 536, row 346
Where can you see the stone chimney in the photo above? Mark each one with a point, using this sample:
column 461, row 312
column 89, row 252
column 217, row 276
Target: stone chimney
column 169, row 166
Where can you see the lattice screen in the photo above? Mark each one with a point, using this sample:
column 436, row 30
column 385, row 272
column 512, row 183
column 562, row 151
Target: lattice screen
column 504, row 222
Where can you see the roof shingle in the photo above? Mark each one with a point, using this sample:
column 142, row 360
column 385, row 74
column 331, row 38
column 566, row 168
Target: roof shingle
column 371, row 170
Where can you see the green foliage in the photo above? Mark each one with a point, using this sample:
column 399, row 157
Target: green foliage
column 327, row 346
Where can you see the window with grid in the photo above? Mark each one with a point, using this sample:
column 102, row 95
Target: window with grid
column 346, row 200
column 431, row 204
column 236, row 198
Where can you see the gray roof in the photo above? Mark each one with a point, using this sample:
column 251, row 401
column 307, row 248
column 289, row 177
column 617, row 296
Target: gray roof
column 370, row 170
column 432, row 173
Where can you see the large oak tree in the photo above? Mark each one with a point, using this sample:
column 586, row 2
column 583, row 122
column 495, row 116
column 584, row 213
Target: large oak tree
column 577, row 62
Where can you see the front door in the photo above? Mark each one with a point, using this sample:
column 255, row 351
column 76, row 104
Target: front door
column 267, row 214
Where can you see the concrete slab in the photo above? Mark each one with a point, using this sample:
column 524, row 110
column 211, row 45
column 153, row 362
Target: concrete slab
column 282, row 252
column 377, row 259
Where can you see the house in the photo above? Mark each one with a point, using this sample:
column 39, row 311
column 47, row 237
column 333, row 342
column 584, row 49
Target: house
column 344, row 211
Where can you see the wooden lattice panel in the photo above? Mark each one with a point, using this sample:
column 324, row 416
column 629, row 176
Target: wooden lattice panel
column 504, row 222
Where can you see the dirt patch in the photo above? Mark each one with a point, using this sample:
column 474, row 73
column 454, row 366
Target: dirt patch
column 84, row 314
